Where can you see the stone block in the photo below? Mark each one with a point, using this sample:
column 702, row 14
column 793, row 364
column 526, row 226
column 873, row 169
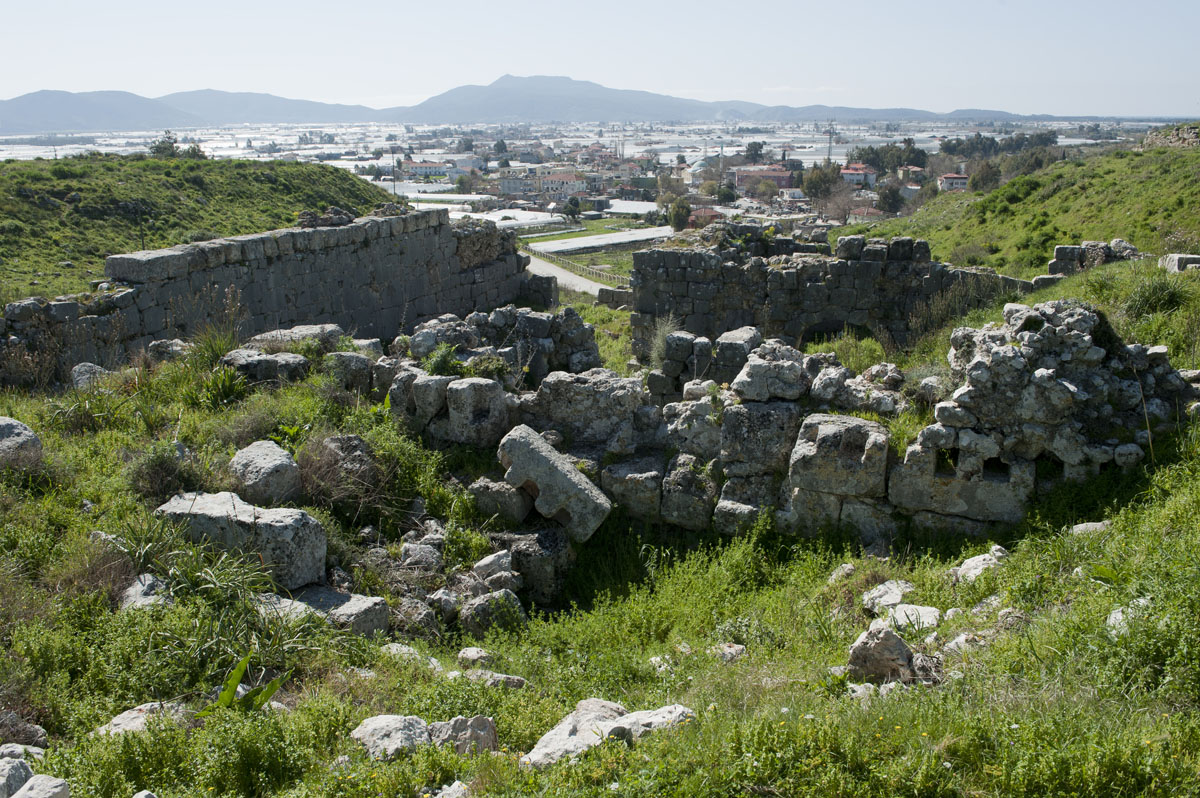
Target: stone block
column 841, row 455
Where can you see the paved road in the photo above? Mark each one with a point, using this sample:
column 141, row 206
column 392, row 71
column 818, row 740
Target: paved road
column 603, row 240
column 566, row 279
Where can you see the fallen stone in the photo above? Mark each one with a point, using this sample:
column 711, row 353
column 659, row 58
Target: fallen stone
column 501, row 608
column 1118, row 620
column 493, row 679
column 592, row 722
column 258, row 366
column 291, row 542
column 843, row 571
column 474, row 657
column 409, row 654
column 18, row 751
column 147, row 590
column 267, row 472
column 728, row 652
column 493, row 564
column 14, row 729
column 384, row 736
column 562, row 492
column 326, row 335
column 973, row 567
column 20, row 448
column 351, row 370
column 914, row 617
column 14, row 773
column 883, row 597
column 543, row 560
column 138, row 718
column 1091, row 527
column 502, row 499
column 85, row 375
column 420, row 556
column 881, row 655
column 467, row 735
column 362, row 615
column 44, row 787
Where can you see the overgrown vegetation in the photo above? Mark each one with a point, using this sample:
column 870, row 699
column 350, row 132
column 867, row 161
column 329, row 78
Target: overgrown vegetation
column 1147, row 198
column 60, row 219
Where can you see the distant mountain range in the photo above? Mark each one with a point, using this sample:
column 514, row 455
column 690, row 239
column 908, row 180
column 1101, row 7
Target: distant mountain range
column 507, row 100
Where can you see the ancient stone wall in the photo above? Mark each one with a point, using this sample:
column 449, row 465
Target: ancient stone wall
column 871, row 284
column 375, row 276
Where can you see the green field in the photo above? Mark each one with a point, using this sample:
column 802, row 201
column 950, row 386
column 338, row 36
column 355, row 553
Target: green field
column 1147, row 198
column 60, row 219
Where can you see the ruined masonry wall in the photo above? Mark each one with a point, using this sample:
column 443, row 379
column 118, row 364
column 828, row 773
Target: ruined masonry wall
column 874, row 286
column 375, row 276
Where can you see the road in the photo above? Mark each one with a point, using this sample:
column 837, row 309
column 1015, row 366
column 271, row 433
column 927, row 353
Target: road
column 566, row 279
column 603, row 240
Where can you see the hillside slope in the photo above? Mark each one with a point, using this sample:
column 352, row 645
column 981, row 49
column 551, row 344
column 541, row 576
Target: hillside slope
column 60, row 219
column 1147, row 198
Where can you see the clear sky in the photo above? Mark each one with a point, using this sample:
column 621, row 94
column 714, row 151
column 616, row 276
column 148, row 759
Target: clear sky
column 1027, row 56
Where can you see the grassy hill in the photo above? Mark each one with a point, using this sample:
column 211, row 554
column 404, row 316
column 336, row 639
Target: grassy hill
column 1055, row 703
column 1147, row 198
column 60, row 219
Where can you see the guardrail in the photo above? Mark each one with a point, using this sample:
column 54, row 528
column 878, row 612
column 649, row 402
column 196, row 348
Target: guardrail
column 583, row 270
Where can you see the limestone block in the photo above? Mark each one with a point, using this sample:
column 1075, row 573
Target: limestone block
column 477, row 413
column 20, row 447
column 327, row 335
column 919, row 484
column 351, row 369
column 258, row 366
column 592, row 722
column 757, row 437
column 543, row 560
column 840, row 454
column 267, row 472
column 881, row 655
column 636, row 486
column 42, row 786
column 689, row 493
column 500, row 498
column 385, row 736
column 291, row 542
column 137, row 719
column 147, row 590
column 14, row 773
column 467, row 735
column 362, row 615
column 500, row 608
column 561, row 491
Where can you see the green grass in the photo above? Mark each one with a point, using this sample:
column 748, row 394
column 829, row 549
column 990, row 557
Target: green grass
column 1147, row 198
column 1057, row 708
column 54, row 242
column 595, row 227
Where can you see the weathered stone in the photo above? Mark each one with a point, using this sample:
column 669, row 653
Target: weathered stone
column 466, row 735
column 405, row 653
column 477, row 413
column 493, row 679
column 773, row 371
column 973, row 567
column 543, row 560
column 14, row 729
column 291, row 542
column 14, row 773
column 757, row 437
column 20, row 448
column 592, row 722
column 493, row 564
column 138, row 718
column 914, row 617
column 413, row 618
column 636, row 487
column 85, row 375
column 259, row 366
column 325, row 335
column 147, row 590
column 881, row 655
column 562, row 493
column 689, row 493
column 385, row 736
column 887, row 595
column 596, row 407
column 267, row 472
column 501, row 608
column 474, row 657
column 841, row 455
column 42, row 786
column 420, row 556
column 500, row 498
column 352, row 370
column 362, row 615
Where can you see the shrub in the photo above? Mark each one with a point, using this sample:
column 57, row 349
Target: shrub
column 663, row 326
column 161, row 472
column 217, row 389
column 441, row 362
column 1157, row 292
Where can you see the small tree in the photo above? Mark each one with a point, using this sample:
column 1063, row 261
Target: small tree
column 754, row 151
column 165, row 147
column 500, row 147
column 679, row 213
column 709, row 188
column 726, row 194
column 985, row 177
column 890, row 199
column 766, row 190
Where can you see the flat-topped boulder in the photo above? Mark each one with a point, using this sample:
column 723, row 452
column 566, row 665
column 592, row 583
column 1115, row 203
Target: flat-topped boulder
column 291, row 542
column 325, row 335
column 268, row 473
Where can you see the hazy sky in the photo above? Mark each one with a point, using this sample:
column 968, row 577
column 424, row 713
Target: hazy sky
column 1026, row 56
